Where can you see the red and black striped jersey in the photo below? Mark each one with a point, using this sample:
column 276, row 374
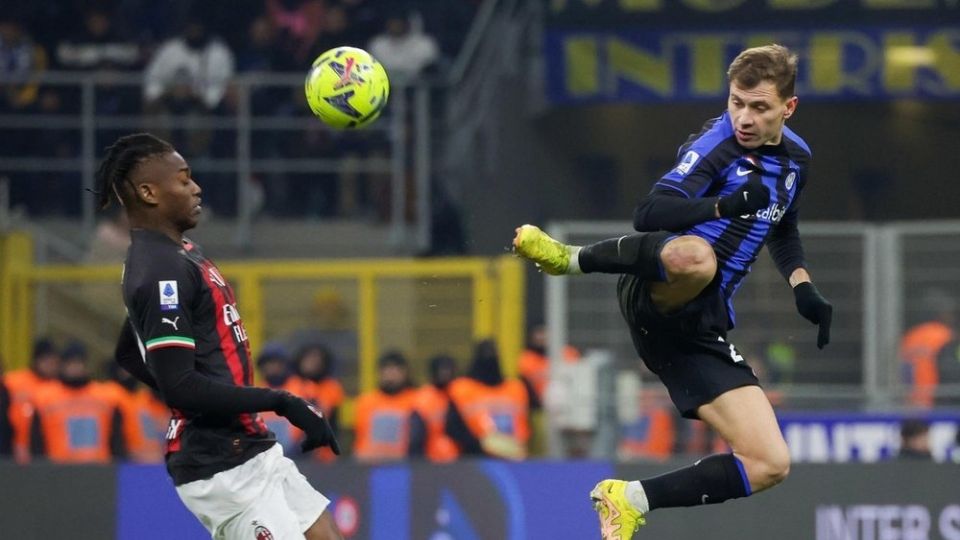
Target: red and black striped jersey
column 176, row 297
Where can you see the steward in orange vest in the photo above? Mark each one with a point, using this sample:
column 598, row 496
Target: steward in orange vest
column 275, row 371
column 534, row 365
column 315, row 364
column 77, row 421
column 432, row 403
column 490, row 414
column 920, row 348
column 23, row 385
column 140, row 411
column 387, row 426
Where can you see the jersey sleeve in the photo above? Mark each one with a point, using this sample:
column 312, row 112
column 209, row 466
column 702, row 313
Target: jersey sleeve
column 692, row 176
column 700, row 162
column 162, row 307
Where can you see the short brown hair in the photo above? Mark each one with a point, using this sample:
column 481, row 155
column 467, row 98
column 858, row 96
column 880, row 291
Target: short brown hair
column 774, row 63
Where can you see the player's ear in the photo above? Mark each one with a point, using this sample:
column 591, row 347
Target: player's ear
column 790, row 107
column 147, row 192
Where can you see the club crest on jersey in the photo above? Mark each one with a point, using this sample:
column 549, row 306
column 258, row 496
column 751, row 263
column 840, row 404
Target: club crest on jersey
column 261, row 533
column 790, row 180
column 169, row 296
column 686, row 164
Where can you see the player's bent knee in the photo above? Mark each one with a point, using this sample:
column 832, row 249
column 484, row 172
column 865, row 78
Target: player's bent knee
column 689, row 258
column 771, row 470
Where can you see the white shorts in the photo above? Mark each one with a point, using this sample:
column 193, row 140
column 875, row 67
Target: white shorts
column 264, row 498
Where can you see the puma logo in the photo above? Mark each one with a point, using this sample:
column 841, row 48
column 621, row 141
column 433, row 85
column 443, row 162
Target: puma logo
column 172, row 323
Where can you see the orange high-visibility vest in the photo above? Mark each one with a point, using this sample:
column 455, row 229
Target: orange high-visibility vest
column 382, row 428
column 652, row 435
column 23, row 385
column 432, row 404
column 327, row 395
column 919, row 349
column 76, row 423
column 487, row 409
column 535, row 367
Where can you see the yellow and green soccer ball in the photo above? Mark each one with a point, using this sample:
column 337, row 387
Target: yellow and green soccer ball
column 347, row 88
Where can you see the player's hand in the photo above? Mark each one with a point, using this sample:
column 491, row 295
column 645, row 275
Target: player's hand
column 309, row 419
column 751, row 197
column 815, row 308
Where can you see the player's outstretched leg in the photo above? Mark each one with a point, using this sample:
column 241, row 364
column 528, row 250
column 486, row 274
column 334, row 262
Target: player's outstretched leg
column 638, row 254
column 760, row 461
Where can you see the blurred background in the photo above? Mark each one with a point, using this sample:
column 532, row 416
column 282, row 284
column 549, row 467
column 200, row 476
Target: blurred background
column 373, row 273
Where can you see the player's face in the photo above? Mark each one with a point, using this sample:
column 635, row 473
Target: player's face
column 171, row 189
column 758, row 113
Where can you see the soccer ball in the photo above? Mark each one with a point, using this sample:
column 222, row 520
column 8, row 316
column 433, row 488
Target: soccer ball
column 347, row 88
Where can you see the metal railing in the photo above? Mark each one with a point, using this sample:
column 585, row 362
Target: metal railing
column 404, row 131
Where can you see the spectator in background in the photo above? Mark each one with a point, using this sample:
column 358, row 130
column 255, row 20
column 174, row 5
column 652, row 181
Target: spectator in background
column 75, row 420
column 432, row 403
column 535, row 366
column 923, row 343
column 315, row 364
column 97, row 46
column 145, row 417
column 20, row 57
column 915, row 440
column 188, row 77
column 299, row 23
column 192, row 69
column 387, row 426
column 277, row 373
column 653, row 432
column 24, row 384
column 110, row 239
column 403, row 49
column 489, row 414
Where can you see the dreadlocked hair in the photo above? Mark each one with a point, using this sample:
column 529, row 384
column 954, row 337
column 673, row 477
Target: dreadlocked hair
column 122, row 157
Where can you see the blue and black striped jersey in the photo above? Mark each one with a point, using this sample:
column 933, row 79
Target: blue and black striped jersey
column 713, row 164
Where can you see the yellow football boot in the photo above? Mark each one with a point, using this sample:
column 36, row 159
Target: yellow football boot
column 550, row 255
column 618, row 518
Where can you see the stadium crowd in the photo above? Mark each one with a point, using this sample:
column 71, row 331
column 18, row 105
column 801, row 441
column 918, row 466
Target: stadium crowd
column 184, row 55
column 56, row 409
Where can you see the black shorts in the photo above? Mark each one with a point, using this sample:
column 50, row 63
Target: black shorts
column 688, row 349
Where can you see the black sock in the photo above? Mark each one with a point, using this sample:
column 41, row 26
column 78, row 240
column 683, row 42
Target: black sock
column 637, row 254
column 711, row 480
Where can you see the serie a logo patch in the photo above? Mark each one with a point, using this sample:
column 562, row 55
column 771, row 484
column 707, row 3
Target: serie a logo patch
column 169, row 296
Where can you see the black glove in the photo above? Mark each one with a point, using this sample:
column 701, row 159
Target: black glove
column 306, row 417
column 815, row 309
column 751, row 197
